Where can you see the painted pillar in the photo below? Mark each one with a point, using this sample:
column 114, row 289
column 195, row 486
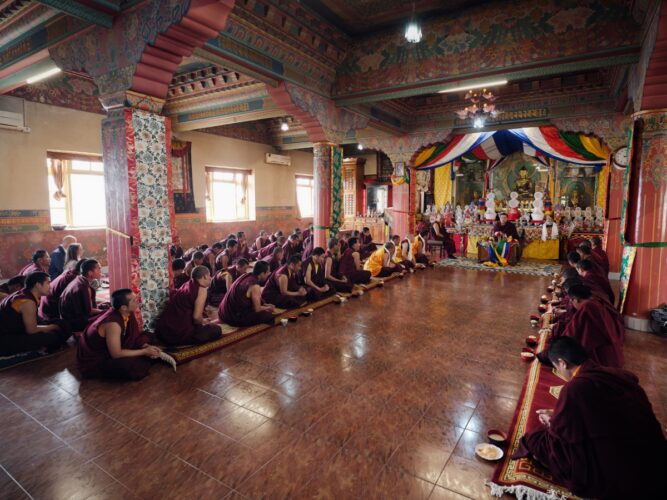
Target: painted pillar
column 322, row 152
column 647, row 219
column 140, row 210
column 401, row 209
column 613, row 245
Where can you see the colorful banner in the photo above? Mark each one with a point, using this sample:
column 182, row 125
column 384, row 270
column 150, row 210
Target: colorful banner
column 627, row 262
column 336, row 191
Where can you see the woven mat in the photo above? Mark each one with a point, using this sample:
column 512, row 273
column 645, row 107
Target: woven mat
column 529, row 267
column 524, row 477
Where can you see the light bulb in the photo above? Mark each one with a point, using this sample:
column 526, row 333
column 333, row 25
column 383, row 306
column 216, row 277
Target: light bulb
column 360, row 147
column 413, row 33
column 478, row 122
column 284, row 126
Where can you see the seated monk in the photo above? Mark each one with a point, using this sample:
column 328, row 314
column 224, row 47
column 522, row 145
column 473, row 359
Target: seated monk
column 506, row 227
column 260, row 242
column 243, row 251
column 113, row 347
column 20, row 329
column 182, row 321
column 77, row 302
column 275, row 260
column 439, row 233
column 585, row 251
column 307, row 232
column 282, row 288
column 176, row 250
column 602, row 439
column 350, row 264
column 566, row 310
column 419, row 248
column 314, row 276
column 228, row 256
column 178, row 271
column 405, row 261
column 380, row 262
column 332, row 275
column 14, row 284
column 210, row 256
column 268, row 249
column 49, row 306
column 307, row 248
column 598, row 326
column 598, row 283
column 367, row 247
column 41, row 261
column 599, row 251
column 242, row 304
column 222, row 281
column 342, row 241
column 274, row 237
column 197, row 260
column 291, row 247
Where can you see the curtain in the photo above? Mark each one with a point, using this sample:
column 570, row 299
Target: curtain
column 57, row 170
column 442, row 185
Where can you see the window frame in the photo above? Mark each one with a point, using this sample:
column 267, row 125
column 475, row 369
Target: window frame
column 248, row 187
column 69, row 170
column 296, row 192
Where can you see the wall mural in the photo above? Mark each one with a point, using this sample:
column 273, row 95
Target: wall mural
column 181, row 177
column 470, row 182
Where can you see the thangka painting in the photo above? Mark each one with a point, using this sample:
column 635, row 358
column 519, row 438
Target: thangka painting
column 577, row 191
column 518, row 172
column 181, row 177
column 469, row 182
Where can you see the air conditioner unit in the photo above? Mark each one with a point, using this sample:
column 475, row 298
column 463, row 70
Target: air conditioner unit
column 277, row 159
column 12, row 114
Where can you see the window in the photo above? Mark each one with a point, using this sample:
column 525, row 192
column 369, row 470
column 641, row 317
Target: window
column 76, row 190
column 305, row 195
column 229, row 194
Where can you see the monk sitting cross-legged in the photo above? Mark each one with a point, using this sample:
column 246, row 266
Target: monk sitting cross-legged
column 405, row 261
column 77, row 302
column 602, row 439
column 366, row 242
column 178, row 270
column 380, row 262
column 419, row 248
column 112, row 346
column 223, row 281
column 41, row 260
column 602, row 255
column 183, row 321
column 275, row 259
column 332, row 274
column 350, row 264
column 197, row 260
column 49, row 306
column 228, row 256
column 282, row 288
column 598, row 283
column 20, row 329
column 314, row 276
column 242, row 304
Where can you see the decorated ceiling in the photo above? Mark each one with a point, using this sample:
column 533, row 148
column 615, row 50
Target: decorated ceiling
column 344, row 62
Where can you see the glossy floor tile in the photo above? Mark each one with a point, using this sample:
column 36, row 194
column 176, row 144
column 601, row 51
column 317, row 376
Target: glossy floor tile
column 384, row 396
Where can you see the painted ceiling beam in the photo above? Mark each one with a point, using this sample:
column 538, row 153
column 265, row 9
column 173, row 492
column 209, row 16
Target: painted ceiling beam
column 80, row 11
column 18, row 79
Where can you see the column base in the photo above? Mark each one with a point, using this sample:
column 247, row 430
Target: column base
column 635, row 323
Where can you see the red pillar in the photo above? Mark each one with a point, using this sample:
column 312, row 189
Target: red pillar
column 613, row 229
column 322, row 183
column 140, row 210
column 647, row 219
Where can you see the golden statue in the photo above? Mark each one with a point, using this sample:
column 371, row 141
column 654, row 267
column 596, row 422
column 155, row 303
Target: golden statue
column 524, row 186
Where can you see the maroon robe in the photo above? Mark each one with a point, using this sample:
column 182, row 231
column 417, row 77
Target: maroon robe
column 207, row 252
column 447, row 241
column 49, row 306
column 288, row 250
column 599, row 328
column 176, row 252
column 273, row 262
column 271, row 292
column 13, row 337
column 77, row 302
column 348, row 268
column 339, row 287
column 600, row 286
column 266, row 250
column 236, row 308
column 307, row 249
column 218, row 287
column 175, row 325
column 367, row 246
column 93, row 359
column 318, row 277
column 32, row 268
column 231, row 256
column 508, row 229
column 180, row 280
column 604, row 440
column 603, row 258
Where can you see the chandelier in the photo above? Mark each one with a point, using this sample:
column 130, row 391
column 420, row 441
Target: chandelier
column 480, row 107
column 413, row 32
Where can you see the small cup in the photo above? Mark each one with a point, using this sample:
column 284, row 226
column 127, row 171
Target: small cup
column 497, row 437
column 531, row 340
column 527, row 356
column 283, row 321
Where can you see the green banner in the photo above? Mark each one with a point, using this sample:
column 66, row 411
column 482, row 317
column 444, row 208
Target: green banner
column 336, row 191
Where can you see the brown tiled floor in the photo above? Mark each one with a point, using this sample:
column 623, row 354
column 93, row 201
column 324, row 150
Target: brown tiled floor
column 382, row 397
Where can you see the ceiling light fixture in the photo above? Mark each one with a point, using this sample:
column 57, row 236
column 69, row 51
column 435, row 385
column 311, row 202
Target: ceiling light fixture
column 360, row 147
column 473, row 87
column 43, row 76
column 413, row 32
column 284, row 126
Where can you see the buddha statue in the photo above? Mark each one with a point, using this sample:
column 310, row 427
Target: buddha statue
column 524, row 186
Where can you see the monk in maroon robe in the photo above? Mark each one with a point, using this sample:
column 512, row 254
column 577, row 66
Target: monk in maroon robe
column 268, row 249
column 223, row 281
column 176, row 250
column 602, row 439
column 307, row 232
column 14, row 284
column 350, row 264
column 506, row 227
column 275, row 260
column 182, row 320
column 332, row 275
column 366, row 245
column 49, row 306
column 20, row 328
column 291, row 247
column 260, row 242
column 210, row 256
column 228, row 256
column 597, row 326
column 197, row 260
column 178, row 273
column 282, row 288
column 439, row 233
column 598, row 283
column 314, row 276
column 77, row 302
column 243, row 305
column 307, row 248
column 565, row 310
column 113, row 347
column 585, row 251
column 602, row 255
column 40, row 263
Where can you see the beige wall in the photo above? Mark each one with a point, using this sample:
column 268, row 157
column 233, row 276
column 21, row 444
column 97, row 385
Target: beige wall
column 23, row 158
column 23, row 155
